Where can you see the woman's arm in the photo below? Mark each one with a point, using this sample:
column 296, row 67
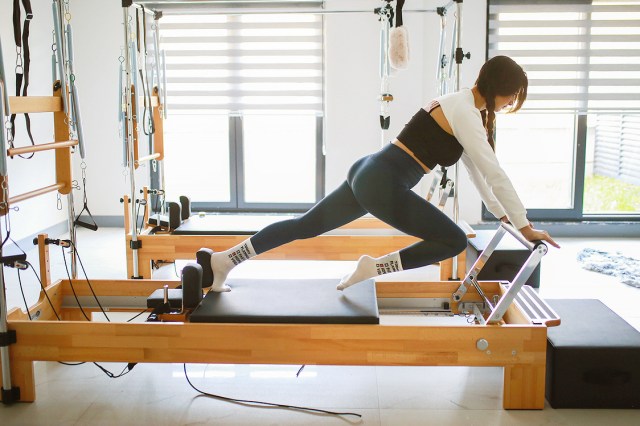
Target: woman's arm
column 466, row 124
column 493, row 205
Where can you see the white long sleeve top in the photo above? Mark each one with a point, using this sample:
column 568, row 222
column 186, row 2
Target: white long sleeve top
column 491, row 181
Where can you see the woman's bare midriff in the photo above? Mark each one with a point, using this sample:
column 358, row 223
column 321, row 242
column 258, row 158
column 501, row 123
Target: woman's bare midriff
column 403, row 147
column 438, row 117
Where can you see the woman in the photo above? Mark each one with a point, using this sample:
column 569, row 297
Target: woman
column 453, row 126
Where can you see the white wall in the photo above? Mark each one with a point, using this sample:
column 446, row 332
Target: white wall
column 352, row 87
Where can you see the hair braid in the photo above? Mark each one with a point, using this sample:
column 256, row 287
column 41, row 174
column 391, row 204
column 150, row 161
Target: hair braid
column 502, row 76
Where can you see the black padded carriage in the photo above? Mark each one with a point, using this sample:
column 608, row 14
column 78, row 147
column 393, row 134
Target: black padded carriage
column 290, row 301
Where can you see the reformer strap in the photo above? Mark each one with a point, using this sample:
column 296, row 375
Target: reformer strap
column 85, row 208
column 399, row 7
column 23, row 61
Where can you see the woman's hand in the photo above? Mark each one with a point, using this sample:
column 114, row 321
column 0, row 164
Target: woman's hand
column 534, row 235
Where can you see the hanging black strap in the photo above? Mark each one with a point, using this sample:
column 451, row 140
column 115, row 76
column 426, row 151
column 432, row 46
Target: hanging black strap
column 399, row 7
column 21, row 38
column 93, row 225
column 443, row 181
column 85, row 208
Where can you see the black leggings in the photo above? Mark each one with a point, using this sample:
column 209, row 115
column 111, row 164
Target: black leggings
column 380, row 184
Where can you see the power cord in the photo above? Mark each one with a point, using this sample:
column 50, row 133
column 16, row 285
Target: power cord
column 261, row 404
column 26, row 265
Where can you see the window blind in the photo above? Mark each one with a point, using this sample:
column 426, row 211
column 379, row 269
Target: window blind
column 581, row 56
column 243, row 63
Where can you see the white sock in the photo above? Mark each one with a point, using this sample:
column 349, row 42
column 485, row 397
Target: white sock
column 223, row 262
column 369, row 267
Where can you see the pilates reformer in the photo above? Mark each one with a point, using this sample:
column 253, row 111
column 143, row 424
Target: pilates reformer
column 509, row 326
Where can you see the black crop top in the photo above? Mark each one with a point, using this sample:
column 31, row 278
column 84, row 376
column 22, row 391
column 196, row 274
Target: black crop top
column 429, row 142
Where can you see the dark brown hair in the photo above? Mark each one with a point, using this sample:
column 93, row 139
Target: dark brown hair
column 500, row 76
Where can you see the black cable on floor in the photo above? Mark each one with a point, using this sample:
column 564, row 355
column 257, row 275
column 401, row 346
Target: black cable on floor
column 109, row 374
column 260, row 404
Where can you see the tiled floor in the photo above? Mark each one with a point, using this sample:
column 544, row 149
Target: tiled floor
column 159, row 394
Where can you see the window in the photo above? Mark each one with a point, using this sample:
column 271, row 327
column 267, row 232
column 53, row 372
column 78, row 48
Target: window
column 245, row 108
column 581, row 116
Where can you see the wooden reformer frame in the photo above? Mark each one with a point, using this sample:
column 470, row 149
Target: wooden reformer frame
column 517, row 343
column 62, row 145
column 63, row 185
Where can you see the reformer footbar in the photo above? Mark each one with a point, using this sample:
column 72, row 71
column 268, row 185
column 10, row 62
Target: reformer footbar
column 495, row 310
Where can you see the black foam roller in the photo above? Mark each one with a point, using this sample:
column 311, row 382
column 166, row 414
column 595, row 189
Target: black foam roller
column 174, row 215
column 191, row 286
column 185, row 203
column 203, row 257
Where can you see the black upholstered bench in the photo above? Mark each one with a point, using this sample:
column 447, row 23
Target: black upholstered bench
column 290, row 302
column 593, row 357
column 505, row 261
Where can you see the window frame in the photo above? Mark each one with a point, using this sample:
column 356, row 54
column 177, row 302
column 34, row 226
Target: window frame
column 237, row 201
column 575, row 213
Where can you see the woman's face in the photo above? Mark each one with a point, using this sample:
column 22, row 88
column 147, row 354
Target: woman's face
column 504, row 101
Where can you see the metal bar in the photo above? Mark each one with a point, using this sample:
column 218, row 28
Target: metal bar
column 478, row 265
column 437, row 177
column 35, row 193
column 148, row 158
column 518, row 236
column 456, row 205
column 458, row 38
column 75, row 101
column 4, row 350
column 42, row 147
column 72, row 235
column 156, row 65
column 164, row 85
column 301, row 11
column 129, row 118
column 523, row 275
column 5, row 94
column 4, row 110
column 133, row 49
column 441, row 55
column 57, row 26
column 446, row 192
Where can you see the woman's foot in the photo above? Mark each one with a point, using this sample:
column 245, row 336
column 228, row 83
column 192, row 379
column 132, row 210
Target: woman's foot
column 213, row 275
column 365, row 269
